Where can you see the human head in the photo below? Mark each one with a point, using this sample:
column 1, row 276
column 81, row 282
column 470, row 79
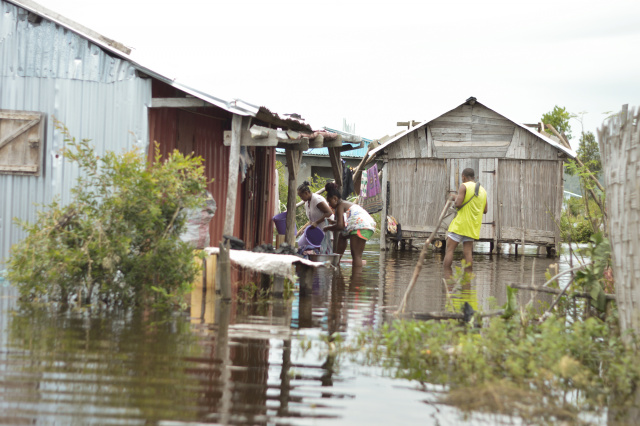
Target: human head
column 304, row 192
column 333, row 194
column 468, row 175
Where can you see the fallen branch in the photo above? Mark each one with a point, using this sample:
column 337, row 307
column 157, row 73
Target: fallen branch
column 558, row 291
column 423, row 254
column 555, row 302
column 448, row 315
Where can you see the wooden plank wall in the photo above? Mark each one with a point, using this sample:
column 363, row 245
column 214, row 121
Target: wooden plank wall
column 527, row 146
column 418, row 191
column 425, row 165
column 539, row 207
column 471, row 131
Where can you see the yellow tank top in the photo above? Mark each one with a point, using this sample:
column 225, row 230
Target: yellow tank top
column 469, row 218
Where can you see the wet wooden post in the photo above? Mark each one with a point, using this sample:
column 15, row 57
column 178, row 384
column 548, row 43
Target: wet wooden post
column 293, row 166
column 234, row 162
column 305, row 274
column 278, row 286
column 385, row 207
column 223, row 272
column 222, row 354
column 336, row 166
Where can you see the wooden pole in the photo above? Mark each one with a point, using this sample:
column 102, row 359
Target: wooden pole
column 423, row 254
column 232, row 187
column 522, row 205
column 336, row 166
column 385, row 207
column 224, row 271
column 293, row 166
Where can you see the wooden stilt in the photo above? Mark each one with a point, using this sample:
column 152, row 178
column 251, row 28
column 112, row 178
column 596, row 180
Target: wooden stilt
column 305, row 274
column 293, row 166
column 232, row 187
column 224, row 271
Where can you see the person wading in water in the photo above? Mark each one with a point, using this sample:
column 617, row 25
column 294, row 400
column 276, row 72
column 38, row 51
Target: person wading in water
column 353, row 222
column 317, row 211
column 465, row 227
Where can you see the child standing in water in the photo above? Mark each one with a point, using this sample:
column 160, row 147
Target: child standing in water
column 353, row 222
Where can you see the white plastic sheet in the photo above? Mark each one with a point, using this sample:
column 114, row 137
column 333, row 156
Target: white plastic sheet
column 266, row 263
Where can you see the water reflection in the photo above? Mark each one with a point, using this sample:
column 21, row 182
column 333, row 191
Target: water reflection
column 237, row 364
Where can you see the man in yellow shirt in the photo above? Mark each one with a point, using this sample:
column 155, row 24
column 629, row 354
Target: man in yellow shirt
column 465, row 227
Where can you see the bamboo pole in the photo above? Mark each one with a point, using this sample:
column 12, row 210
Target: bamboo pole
column 423, row 254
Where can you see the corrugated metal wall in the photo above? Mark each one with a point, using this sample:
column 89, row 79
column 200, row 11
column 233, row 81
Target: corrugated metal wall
column 202, row 133
column 46, row 68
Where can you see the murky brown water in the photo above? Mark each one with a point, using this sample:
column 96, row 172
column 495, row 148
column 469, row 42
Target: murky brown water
column 240, row 364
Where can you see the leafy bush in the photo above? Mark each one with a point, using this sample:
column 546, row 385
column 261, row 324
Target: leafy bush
column 576, row 224
column 117, row 241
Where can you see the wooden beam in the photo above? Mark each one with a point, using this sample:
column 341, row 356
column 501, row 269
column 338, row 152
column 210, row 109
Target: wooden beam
column 336, row 166
column 293, row 166
column 317, row 142
column 333, row 143
column 344, row 148
column 255, row 136
column 385, row 207
column 232, row 186
column 179, row 103
column 294, row 145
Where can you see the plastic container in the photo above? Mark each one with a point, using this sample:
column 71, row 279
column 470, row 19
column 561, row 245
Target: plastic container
column 314, row 236
column 280, row 220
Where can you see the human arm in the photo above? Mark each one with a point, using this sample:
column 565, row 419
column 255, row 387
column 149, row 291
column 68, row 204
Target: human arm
column 302, row 229
column 338, row 224
column 326, row 213
column 462, row 192
column 486, row 206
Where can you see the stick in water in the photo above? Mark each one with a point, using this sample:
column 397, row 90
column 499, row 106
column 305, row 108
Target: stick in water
column 423, row 254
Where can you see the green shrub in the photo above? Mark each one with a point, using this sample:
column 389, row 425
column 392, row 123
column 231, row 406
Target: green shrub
column 117, row 241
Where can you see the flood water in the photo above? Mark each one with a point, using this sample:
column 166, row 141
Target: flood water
column 239, row 364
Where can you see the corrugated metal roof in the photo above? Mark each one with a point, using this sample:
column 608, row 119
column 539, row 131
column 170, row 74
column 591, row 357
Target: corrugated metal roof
column 324, row 152
column 551, row 142
column 48, row 69
column 235, row 106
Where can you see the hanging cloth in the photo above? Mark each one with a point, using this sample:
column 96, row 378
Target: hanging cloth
column 347, row 181
column 372, row 203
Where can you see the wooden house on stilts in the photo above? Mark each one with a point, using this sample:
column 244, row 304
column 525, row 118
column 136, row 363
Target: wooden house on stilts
column 520, row 168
